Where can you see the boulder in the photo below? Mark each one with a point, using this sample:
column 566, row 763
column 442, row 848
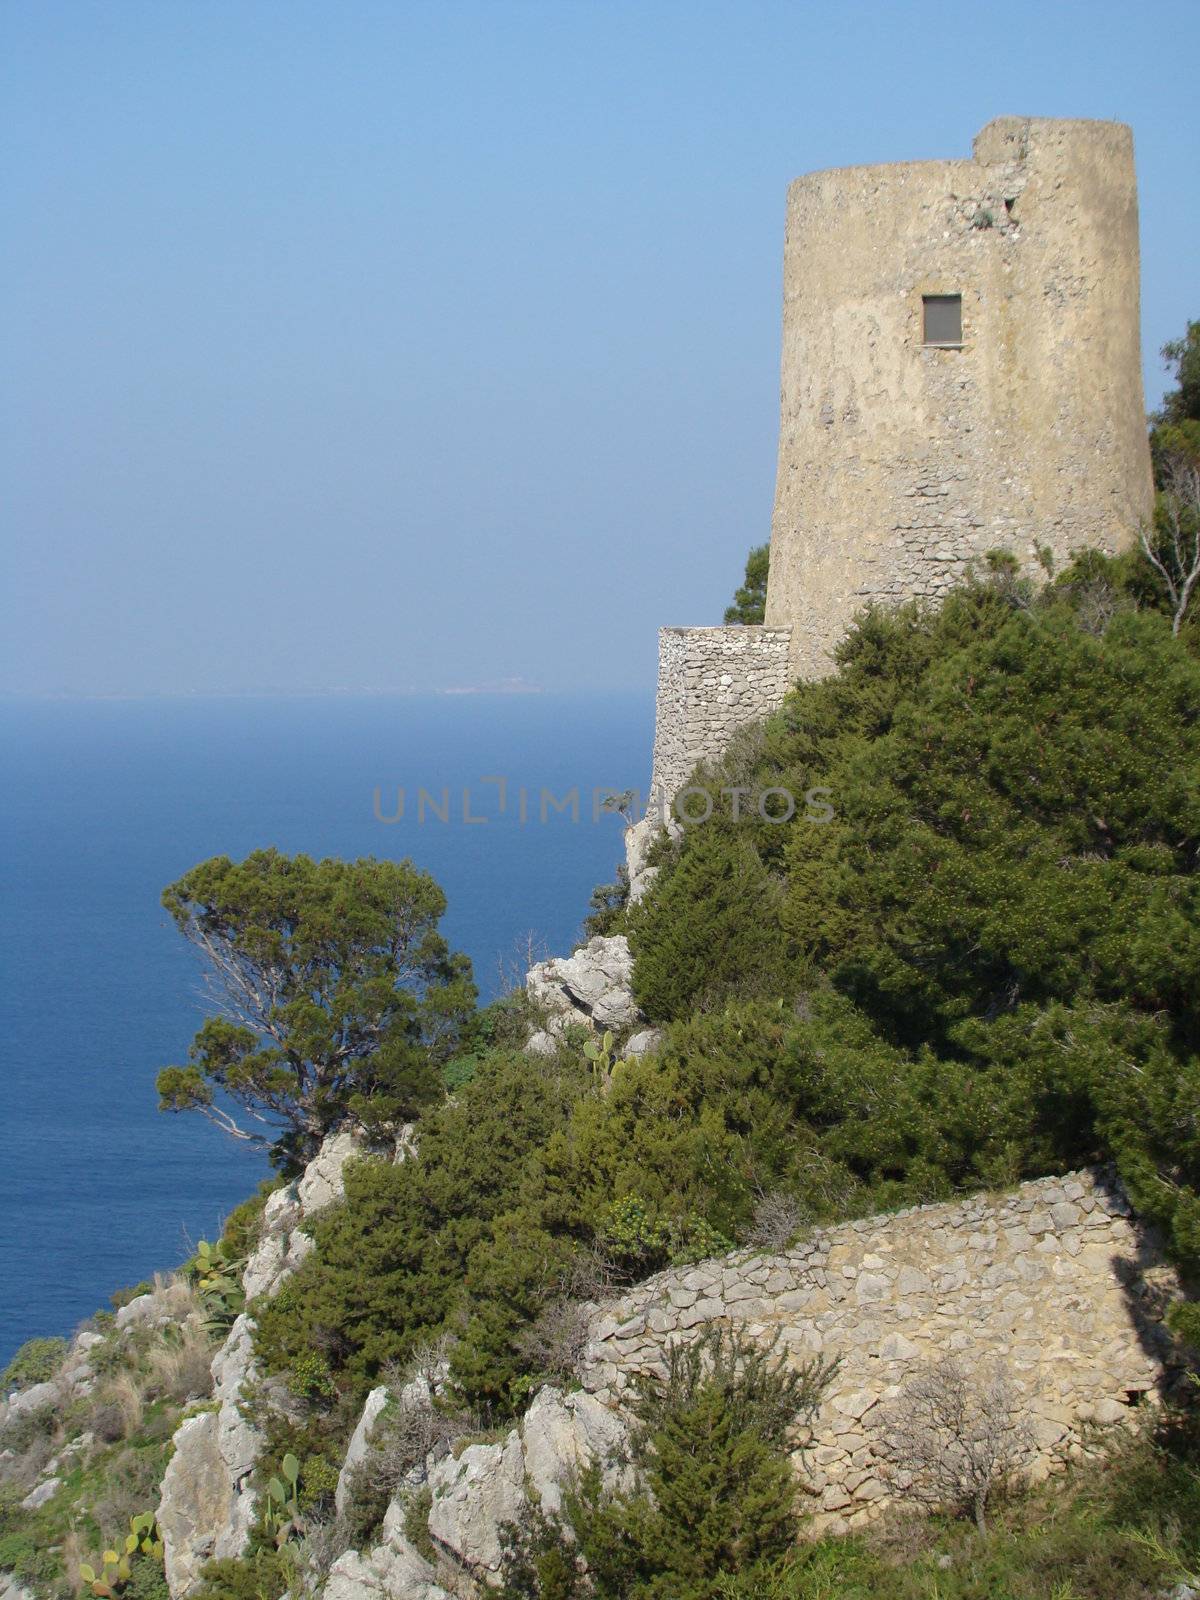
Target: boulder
column 353, row 1577
column 323, row 1180
column 232, row 1369
column 392, row 1571
column 38, row 1397
column 46, row 1490
column 592, row 986
column 194, row 1504
column 638, row 840
column 171, row 1303
column 646, row 1042
column 207, row 1507
column 273, row 1260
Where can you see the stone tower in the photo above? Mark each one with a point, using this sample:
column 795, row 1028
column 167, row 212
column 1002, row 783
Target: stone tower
column 961, row 372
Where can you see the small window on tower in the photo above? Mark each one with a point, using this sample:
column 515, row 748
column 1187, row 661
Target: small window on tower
column 943, row 319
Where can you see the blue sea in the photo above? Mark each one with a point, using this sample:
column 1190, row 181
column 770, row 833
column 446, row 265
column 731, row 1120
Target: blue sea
column 106, row 802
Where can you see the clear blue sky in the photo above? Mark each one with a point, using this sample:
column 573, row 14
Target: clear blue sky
column 362, row 344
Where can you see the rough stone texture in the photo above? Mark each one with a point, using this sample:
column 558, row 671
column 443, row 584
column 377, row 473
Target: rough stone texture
column 240, row 1442
column 46, row 1490
column 473, row 1495
column 487, row 1485
column 195, row 1503
column 593, row 986
column 11, row 1588
column 1055, row 1278
column 900, row 462
column 645, row 1043
column 172, row 1302
column 711, row 682
column 393, row 1569
column 207, row 1507
column 38, row 1397
column 397, row 1574
column 562, row 1435
column 360, row 1443
column 275, row 1258
column 638, row 839
column 321, row 1182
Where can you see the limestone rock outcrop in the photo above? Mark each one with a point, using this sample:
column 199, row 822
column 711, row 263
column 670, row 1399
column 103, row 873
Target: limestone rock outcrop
column 360, row 1443
column 207, row 1506
column 593, row 986
column 638, row 839
column 646, row 1042
column 11, row 1588
column 393, row 1570
column 474, row 1493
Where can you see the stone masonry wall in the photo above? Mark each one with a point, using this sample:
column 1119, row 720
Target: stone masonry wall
column 1056, row 1278
column 711, row 682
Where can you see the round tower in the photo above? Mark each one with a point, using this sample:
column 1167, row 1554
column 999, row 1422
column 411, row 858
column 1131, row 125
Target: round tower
column 961, row 372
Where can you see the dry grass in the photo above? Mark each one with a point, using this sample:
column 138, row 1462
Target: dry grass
column 124, row 1393
column 179, row 1368
column 74, row 1554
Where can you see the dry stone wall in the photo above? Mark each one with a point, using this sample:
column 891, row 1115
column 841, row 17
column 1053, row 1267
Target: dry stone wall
column 711, row 682
column 1056, row 1279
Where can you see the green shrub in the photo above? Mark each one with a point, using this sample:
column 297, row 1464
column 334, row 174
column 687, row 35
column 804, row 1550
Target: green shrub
column 36, row 1361
column 607, row 907
column 710, row 1444
column 416, row 1522
column 122, row 1297
column 1013, row 793
column 310, row 1377
column 1008, row 895
column 459, row 1071
column 264, row 1575
column 407, row 1251
column 243, row 1225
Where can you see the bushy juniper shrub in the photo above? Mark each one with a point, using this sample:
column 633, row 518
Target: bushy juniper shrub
column 714, row 1490
column 418, row 1245
column 243, row 1225
column 263, row 1575
column 1013, row 796
column 132, row 1291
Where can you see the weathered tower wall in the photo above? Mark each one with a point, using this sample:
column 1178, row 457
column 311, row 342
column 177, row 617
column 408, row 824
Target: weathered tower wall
column 900, row 462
